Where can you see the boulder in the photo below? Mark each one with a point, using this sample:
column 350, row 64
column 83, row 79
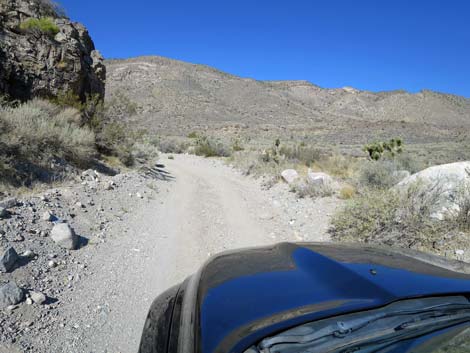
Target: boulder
column 63, row 235
column 318, row 178
column 47, row 64
column 443, row 183
column 8, row 259
column 8, row 203
column 3, row 213
column 289, row 175
column 10, row 294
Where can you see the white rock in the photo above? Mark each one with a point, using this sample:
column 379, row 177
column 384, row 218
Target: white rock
column 37, row 297
column 459, row 252
column 64, row 235
column 29, row 301
column 47, row 216
column 446, row 180
column 289, row 175
column 60, row 37
column 28, row 253
column 51, row 264
column 318, row 178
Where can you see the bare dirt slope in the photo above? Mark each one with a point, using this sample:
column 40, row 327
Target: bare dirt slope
column 206, row 208
column 170, row 96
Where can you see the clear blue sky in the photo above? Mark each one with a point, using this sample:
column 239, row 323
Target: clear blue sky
column 375, row 45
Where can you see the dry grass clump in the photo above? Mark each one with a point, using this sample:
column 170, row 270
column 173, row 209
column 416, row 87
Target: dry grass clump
column 39, row 129
column 40, row 141
column 347, row 192
column 338, row 165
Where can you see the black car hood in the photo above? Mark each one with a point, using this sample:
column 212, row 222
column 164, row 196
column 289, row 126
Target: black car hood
column 243, row 296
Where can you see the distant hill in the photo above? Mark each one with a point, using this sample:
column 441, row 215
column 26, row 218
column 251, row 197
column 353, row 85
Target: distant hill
column 171, row 96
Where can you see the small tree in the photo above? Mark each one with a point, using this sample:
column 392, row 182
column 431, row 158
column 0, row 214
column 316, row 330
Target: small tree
column 376, row 150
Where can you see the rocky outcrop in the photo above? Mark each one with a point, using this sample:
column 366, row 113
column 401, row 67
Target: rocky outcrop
column 38, row 63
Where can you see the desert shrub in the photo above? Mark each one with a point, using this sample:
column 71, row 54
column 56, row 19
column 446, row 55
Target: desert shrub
column 192, row 135
column 347, row 192
column 391, row 218
column 120, row 105
column 144, row 150
column 209, row 147
column 44, row 25
column 237, row 146
column 462, row 200
column 114, row 139
column 376, row 150
column 172, row 145
column 68, row 99
column 310, row 190
column 337, row 165
column 378, row 174
column 38, row 128
column 409, row 162
column 301, row 154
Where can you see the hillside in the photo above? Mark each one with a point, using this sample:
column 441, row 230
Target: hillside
column 175, row 97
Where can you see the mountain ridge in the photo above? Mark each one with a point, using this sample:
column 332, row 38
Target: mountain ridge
column 280, row 81
column 173, row 96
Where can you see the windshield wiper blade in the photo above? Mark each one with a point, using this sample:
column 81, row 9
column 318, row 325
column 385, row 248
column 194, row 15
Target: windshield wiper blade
column 405, row 331
column 353, row 331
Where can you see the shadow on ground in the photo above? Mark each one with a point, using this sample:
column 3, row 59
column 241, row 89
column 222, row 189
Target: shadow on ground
column 157, row 172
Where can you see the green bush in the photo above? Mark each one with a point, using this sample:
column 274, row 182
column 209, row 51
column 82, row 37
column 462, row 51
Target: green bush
column 192, row 135
column 44, row 25
column 208, row 147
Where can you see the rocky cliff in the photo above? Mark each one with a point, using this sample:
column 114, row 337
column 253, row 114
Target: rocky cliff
column 43, row 53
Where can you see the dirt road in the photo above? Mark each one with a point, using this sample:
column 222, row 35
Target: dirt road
column 206, row 208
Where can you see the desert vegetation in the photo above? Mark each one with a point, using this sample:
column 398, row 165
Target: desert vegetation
column 44, row 25
column 375, row 210
column 46, row 140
